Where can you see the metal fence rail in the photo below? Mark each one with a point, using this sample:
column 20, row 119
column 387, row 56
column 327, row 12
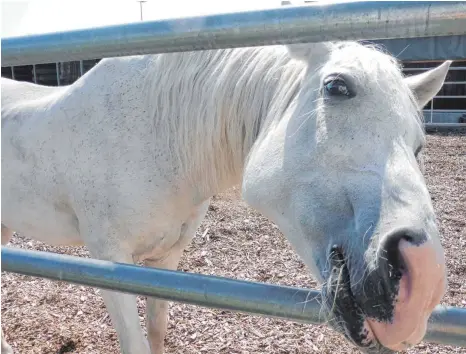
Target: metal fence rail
column 446, row 325
column 311, row 23
column 439, row 127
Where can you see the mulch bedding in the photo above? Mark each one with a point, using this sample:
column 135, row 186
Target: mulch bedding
column 41, row 316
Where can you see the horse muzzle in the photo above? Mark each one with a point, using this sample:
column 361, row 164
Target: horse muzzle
column 388, row 308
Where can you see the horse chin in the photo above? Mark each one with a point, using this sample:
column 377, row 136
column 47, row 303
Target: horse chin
column 357, row 330
column 345, row 314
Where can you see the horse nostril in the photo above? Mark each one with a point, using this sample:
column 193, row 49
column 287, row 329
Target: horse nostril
column 391, row 253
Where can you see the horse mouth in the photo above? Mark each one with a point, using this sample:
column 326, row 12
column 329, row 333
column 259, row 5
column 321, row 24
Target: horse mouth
column 345, row 314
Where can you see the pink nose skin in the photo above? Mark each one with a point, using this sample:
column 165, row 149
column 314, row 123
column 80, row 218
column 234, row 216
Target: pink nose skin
column 421, row 289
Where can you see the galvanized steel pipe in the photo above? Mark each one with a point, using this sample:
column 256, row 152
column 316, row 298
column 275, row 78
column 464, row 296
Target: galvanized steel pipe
column 447, row 324
column 311, row 23
column 196, row 289
column 433, row 127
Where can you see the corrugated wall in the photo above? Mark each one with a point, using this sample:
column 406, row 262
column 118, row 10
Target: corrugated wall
column 46, row 74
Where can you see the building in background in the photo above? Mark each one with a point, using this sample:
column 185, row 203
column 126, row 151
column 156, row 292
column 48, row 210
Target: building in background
column 52, row 74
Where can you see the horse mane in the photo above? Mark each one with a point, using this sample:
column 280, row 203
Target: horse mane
column 210, row 106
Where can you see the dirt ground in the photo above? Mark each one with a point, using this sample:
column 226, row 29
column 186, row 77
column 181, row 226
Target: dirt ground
column 41, row 316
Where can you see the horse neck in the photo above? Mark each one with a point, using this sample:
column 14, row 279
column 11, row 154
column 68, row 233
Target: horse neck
column 227, row 104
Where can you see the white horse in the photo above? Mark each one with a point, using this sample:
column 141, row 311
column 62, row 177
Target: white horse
column 323, row 138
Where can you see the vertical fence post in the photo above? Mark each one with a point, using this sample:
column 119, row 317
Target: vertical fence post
column 57, row 66
column 34, row 74
column 432, row 109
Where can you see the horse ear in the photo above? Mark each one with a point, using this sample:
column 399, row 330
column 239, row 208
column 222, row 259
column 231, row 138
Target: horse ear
column 426, row 85
column 307, row 51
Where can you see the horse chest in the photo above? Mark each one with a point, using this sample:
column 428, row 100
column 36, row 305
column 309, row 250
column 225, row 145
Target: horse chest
column 33, row 203
column 31, row 214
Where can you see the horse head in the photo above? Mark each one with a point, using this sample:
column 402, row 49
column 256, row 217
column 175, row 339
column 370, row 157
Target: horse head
column 339, row 172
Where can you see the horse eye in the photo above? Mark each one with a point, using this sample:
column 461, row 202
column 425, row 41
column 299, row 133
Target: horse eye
column 336, row 86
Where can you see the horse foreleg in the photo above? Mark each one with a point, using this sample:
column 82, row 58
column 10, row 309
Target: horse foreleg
column 123, row 312
column 121, row 307
column 6, row 236
column 156, row 309
column 6, row 349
